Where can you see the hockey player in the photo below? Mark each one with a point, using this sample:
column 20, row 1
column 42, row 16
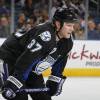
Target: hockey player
column 28, row 53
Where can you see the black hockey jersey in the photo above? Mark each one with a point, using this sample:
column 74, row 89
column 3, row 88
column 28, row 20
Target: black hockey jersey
column 36, row 49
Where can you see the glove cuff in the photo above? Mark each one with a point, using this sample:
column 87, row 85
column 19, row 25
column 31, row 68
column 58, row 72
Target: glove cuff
column 56, row 79
column 15, row 82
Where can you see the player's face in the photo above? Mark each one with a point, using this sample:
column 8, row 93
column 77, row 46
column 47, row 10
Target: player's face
column 66, row 30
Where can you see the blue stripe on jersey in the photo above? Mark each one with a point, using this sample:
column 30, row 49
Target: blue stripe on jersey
column 26, row 73
column 56, row 68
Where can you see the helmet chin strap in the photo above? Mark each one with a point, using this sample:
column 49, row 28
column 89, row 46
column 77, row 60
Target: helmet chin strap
column 61, row 25
column 58, row 36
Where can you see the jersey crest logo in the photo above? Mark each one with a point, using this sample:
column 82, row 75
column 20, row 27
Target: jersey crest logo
column 45, row 36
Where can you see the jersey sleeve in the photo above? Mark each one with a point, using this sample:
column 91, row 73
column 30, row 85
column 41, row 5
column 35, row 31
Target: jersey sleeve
column 65, row 47
column 12, row 47
column 9, row 48
column 59, row 65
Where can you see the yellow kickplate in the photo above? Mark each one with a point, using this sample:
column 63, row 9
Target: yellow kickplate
column 77, row 72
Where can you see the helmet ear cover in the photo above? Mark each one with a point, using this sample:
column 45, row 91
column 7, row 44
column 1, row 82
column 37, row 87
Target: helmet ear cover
column 61, row 24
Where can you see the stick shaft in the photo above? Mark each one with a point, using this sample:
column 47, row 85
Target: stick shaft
column 33, row 90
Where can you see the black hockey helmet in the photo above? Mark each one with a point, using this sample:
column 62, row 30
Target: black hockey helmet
column 67, row 14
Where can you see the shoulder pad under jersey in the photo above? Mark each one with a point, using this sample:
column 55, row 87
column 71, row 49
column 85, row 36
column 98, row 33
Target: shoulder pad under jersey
column 19, row 33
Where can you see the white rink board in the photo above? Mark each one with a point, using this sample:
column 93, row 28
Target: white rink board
column 79, row 88
column 85, row 53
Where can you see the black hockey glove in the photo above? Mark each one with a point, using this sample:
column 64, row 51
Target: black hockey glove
column 55, row 84
column 11, row 86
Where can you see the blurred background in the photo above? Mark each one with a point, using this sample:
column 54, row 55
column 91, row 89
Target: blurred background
column 16, row 14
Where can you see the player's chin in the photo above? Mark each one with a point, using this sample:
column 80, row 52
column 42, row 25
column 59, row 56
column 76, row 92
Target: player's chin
column 68, row 35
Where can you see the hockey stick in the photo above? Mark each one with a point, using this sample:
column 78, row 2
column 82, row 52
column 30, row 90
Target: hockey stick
column 34, row 90
column 26, row 90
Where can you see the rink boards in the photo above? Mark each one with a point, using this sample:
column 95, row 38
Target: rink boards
column 77, row 72
column 84, row 59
